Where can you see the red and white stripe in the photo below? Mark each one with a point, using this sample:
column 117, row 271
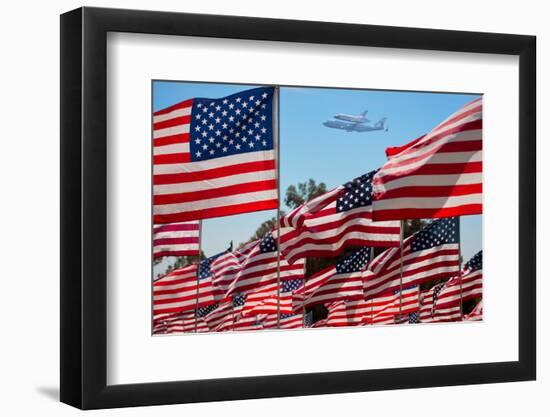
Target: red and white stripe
column 177, row 291
column 296, row 321
column 337, row 314
column 185, row 190
column 183, row 323
column 264, row 301
column 322, row 231
column 259, row 270
column 396, row 304
column 436, row 175
column 472, row 287
column 176, row 239
column 383, row 273
column 219, row 314
column 327, row 286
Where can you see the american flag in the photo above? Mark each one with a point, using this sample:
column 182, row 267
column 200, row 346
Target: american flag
column 342, row 217
column 390, row 305
column 286, row 321
column 264, row 301
column 476, row 314
column 398, row 303
column 214, row 314
column 177, row 291
column 176, row 239
column 258, row 269
column 340, row 282
column 205, row 272
column 427, row 302
column 181, row 323
column 214, row 157
column 472, row 284
column 357, row 309
column 337, row 314
column 431, row 253
column 436, row 175
column 226, row 267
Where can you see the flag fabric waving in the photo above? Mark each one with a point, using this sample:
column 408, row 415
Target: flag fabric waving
column 259, row 268
column 214, row 157
column 177, row 291
column 476, row 314
column 436, row 175
column 342, row 217
column 176, row 239
column 340, row 282
column 391, row 305
column 431, row 253
column 472, row 284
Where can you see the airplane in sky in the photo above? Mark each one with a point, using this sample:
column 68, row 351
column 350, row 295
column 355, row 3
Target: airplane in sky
column 361, row 118
column 356, row 123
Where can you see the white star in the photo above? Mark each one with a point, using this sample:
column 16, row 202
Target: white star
column 257, row 125
column 238, row 100
column 218, row 144
column 203, row 121
column 224, row 149
column 211, row 139
column 251, row 144
column 264, row 143
column 198, row 116
column 264, row 95
column 205, row 146
column 197, row 128
column 218, row 133
column 198, row 153
column 251, row 98
column 204, row 110
column 224, row 113
column 224, row 101
column 218, row 107
column 238, row 146
column 218, row 120
column 204, row 134
column 237, row 111
column 231, row 118
column 263, row 117
column 263, row 106
column 224, row 126
column 264, row 130
column 199, row 105
column 197, row 141
column 211, row 151
column 257, row 137
column 211, row 114
column 258, row 102
column 210, row 126
column 231, row 105
column 244, row 104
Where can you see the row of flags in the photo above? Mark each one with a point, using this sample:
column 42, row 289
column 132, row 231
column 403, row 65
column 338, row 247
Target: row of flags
column 216, row 157
column 254, row 294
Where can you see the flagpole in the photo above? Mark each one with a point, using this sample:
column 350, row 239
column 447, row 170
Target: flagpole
column 198, row 280
column 401, row 232
column 371, row 300
column 276, row 128
column 460, row 271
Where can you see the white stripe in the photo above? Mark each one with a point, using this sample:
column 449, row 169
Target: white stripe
column 434, row 159
column 175, row 248
column 185, row 111
column 220, row 182
column 171, row 131
column 214, row 163
column 429, row 202
column 175, row 148
column 428, row 180
column 216, row 202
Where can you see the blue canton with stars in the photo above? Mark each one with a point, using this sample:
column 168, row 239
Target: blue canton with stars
column 291, row 285
column 203, row 311
column 475, row 263
column 239, row 300
column 308, row 319
column 268, row 243
column 439, row 232
column 414, row 317
column 204, row 265
column 358, row 193
column 355, row 262
column 436, row 290
column 232, row 125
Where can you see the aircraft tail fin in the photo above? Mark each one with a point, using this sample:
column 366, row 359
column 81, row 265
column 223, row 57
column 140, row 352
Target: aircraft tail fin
column 381, row 122
column 364, row 113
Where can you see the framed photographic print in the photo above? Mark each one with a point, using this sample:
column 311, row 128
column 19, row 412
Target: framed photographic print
column 286, row 205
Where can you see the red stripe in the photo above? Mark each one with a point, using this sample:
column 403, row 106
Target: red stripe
column 177, row 253
column 431, row 213
column 203, row 175
column 170, row 140
column 180, row 105
column 215, row 192
column 172, row 158
column 178, row 227
column 180, row 120
column 432, row 191
column 450, row 147
column 462, row 115
column 175, row 240
column 216, row 211
column 434, row 169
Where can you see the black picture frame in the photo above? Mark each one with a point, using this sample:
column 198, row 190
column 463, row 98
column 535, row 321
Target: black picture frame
column 84, row 207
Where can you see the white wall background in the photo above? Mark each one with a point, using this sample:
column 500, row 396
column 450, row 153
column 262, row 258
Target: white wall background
column 29, row 177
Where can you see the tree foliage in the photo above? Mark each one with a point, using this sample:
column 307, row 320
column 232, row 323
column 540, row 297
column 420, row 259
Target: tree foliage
column 296, row 195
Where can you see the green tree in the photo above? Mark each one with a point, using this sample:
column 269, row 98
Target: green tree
column 296, row 195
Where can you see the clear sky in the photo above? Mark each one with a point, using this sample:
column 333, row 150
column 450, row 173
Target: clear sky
column 311, row 150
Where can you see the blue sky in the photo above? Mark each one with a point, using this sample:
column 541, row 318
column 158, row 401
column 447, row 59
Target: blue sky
column 311, row 150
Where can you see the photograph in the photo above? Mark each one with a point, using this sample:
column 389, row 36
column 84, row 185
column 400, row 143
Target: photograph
column 279, row 207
